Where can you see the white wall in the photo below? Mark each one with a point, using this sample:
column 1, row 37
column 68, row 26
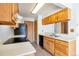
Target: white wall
column 72, row 22
column 39, row 22
column 48, row 28
column 39, row 27
column 5, row 33
column 76, row 16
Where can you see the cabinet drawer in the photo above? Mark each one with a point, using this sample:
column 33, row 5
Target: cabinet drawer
column 60, row 42
column 49, row 39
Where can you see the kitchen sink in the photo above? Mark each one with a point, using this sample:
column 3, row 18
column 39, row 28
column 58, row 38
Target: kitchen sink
column 54, row 35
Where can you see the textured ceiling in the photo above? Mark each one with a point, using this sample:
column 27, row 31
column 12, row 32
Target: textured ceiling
column 47, row 9
column 25, row 9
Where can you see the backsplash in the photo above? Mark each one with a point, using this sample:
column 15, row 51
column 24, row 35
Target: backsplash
column 5, row 33
column 57, row 27
column 48, row 28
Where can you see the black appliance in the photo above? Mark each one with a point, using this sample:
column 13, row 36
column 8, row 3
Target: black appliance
column 21, row 30
column 41, row 40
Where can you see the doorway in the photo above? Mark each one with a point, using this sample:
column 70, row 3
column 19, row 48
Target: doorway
column 30, row 31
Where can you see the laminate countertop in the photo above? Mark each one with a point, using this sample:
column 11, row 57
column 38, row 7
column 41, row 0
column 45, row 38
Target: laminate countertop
column 63, row 37
column 17, row 49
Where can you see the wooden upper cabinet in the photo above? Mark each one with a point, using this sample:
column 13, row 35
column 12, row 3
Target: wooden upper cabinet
column 46, row 21
column 7, row 13
column 53, row 18
column 61, row 16
column 15, row 10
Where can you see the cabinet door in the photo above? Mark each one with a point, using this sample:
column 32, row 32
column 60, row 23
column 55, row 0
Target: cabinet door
column 51, row 46
column 44, row 21
column 61, row 48
column 50, row 19
column 46, row 43
column 53, row 18
column 63, row 15
column 15, row 10
column 66, row 14
column 5, row 12
column 47, row 20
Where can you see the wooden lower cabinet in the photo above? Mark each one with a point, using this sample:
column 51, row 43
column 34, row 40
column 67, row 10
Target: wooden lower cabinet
column 49, row 45
column 64, row 48
column 46, row 43
column 60, row 47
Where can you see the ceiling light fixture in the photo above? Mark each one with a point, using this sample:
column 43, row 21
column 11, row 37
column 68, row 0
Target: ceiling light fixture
column 38, row 6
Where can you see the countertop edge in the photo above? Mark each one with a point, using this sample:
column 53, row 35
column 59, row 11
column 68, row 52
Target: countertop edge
column 58, row 38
